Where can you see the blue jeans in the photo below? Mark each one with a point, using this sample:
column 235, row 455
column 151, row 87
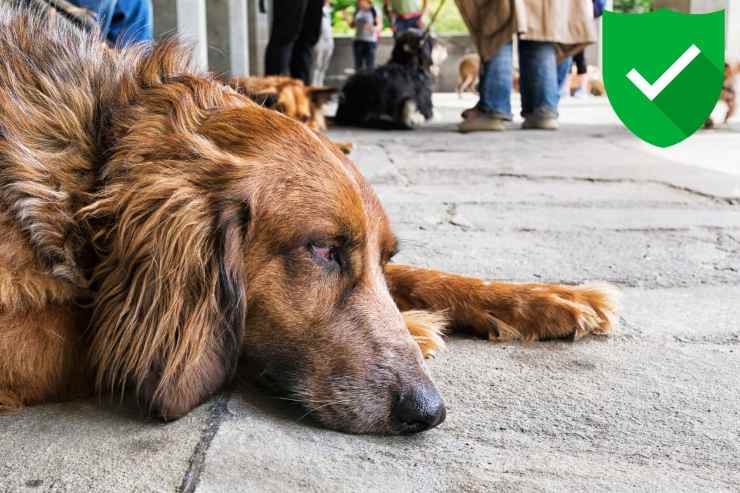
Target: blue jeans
column 364, row 52
column 563, row 70
column 122, row 22
column 538, row 81
column 403, row 25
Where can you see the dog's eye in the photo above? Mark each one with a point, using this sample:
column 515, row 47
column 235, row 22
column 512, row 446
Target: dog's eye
column 325, row 255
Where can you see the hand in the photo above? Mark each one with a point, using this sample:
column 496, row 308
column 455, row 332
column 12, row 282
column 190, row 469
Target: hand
column 420, row 22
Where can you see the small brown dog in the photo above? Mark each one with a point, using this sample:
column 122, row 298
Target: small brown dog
column 290, row 97
column 727, row 95
column 469, row 74
column 594, row 81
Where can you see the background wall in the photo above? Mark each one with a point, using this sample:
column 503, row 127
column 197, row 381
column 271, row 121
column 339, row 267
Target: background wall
column 217, row 14
column 342, row 61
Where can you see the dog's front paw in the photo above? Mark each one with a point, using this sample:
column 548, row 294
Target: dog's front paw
column 531, row 312
column 411, row 117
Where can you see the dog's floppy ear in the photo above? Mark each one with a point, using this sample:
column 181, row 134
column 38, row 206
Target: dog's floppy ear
column 321, row 95
column 170, row 304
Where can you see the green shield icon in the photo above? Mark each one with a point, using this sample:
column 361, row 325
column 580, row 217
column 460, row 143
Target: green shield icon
column 663, row 71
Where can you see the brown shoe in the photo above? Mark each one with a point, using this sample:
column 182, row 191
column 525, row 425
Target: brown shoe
column 540, row 123
column 483, row 123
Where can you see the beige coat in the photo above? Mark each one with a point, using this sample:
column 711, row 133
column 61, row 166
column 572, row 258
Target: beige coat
column 492, row 23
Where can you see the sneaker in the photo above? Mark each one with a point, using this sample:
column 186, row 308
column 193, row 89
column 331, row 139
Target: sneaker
column 540, row 123
column 482, row 123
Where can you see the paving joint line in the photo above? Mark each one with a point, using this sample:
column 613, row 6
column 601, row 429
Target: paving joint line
column 196, row 464
column 716, row 198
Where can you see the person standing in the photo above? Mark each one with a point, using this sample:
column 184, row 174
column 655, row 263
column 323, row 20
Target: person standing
column 296, row 27
column 122, row 22
column 579, row 59
column 367, row 24
column 324, row 49
column 405, row 14
column 547, row 31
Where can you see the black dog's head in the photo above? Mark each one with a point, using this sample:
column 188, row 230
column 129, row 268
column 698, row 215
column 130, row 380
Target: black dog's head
column 414, row 48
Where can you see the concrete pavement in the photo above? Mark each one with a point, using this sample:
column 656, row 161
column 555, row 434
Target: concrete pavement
column 656, row 407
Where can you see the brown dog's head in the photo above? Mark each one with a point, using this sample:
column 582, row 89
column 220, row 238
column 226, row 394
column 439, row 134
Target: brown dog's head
column 289, row 96
column 229, row 231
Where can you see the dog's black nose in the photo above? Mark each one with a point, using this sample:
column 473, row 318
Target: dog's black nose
column 418, row 408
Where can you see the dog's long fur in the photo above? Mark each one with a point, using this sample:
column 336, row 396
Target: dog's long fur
column 468, row 74
column 156, row 227
column 288, row 96
column 395, row 95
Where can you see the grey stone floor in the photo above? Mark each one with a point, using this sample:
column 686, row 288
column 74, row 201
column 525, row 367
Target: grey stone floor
column 656, row 407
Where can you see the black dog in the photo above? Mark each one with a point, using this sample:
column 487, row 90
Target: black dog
column 395, row 95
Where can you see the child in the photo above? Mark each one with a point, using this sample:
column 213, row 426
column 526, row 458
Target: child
column 324, row 48
column 367, row 24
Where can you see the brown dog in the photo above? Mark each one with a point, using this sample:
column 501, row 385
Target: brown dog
column 728, row 95
column 156, row 227
column 468, row 74
column 292, row 98
column 289, row 96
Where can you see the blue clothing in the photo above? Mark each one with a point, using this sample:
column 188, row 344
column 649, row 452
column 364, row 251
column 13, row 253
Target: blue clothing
column 538, row 79
column 563, row 70
column 599, row 6
column 402, row 25
column 364, row 52
column 122, row 22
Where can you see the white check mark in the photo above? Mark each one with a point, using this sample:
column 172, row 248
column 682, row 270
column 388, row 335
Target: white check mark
column 651, row 91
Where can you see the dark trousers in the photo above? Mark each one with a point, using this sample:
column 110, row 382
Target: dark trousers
column 296, row 27
column 364, row 52
column 579, row 59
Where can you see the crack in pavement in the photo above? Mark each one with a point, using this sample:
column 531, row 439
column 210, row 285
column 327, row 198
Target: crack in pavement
column 405, row 179
column 588, row 179
column 196, row 464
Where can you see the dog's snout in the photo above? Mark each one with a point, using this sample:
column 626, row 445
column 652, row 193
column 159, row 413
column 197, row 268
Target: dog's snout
column 418, row 409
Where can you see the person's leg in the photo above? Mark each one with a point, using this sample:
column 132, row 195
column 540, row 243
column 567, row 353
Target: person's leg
column 357, row 53
column 495, row 84
column 301, row 59
column 579, row 59
column 103, row 9
column 287, row 19
column 371, row 49
column 563, row 76
column 494, row 106
column 539, row 83
column 366, row 54
column 322, row 57
column 132, row 22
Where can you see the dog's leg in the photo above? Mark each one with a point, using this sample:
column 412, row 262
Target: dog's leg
column 731, row 106
column 465, row 85
column 41, row 357
column 506, row 311
column 411, row 117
